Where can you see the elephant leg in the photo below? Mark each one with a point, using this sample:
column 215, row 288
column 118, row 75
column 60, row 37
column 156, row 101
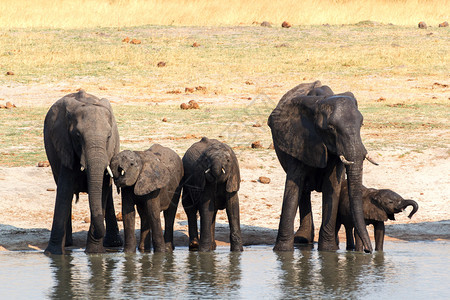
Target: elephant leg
column 379, row 235
column 213, row 232
column 154, row 219
column 63, row 204
column 349, row 237
column 112, row 236
column 358, row 242
column 68, row 236
column 232, row 208
column 206, row 220
column 331, row 189
column 128, row 217
column 285, row 237
column 305, row 233
column 145, row 240
column 169, row 220
column 191, row 213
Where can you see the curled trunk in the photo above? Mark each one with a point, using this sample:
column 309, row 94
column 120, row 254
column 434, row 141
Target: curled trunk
column 414, row 205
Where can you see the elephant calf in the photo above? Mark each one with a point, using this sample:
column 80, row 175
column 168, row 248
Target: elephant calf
column 378, row 207
column 211, row 182
column 150, row 180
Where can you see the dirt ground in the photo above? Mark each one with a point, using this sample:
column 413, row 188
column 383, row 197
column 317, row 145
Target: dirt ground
column 27, row 196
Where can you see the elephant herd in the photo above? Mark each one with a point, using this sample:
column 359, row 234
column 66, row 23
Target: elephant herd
column 316, row 136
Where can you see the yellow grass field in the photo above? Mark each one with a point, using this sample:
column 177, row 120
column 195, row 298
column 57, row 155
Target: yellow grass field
column 126, row 13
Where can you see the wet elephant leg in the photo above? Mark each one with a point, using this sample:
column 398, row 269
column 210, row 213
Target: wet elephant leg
column 207, row 212
column 191, row 212
column 349, row 237
column 285, row 237
column 112, row 236
column 63, row 204
column 305, row 233
column 379, row 235
column 330, row 201
column 169, row 220
column 68, row 236
column 154, row 219
column 128, row 217
column 232, row 209
column 145, row 240
column 213, row 231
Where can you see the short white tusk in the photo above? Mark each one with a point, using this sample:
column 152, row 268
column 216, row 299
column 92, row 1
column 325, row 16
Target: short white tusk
column 82, row 168
column 223, row 170
column 371, row 160
column 207, row 171
column 346, row 162
column 109, row 171
column 122, row 173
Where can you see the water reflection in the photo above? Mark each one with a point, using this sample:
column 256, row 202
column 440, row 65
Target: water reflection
column 316, row 274
column 61, row 266
column 210, row 274
column 258, row 272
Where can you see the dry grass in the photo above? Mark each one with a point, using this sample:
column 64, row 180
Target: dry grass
column 125, row 13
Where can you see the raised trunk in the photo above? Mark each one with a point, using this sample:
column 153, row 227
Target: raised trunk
column 414, row 205
column 354, row 179
column 96, row 165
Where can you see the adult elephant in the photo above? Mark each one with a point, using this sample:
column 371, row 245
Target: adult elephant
column 81, row 137
column 316, row 135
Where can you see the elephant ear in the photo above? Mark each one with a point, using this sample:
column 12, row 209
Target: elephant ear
column 56, row 129
column 234, row 181
column 293, row 126
column 154, row 174
column 373, row 208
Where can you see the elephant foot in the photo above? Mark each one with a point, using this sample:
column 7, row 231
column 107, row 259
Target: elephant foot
column 327, row 247
column 170, row 247
column 236, row 248
column 54, row 250
column 94, row 248
column 113, row 240
column 302, row 237
column 130, row 249
column 302, row 240
column 284, row 246
column 194, row 245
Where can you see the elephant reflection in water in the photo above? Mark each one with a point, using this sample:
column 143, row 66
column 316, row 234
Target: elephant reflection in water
column 70, row 282
column 219, row 277
column 325, row 274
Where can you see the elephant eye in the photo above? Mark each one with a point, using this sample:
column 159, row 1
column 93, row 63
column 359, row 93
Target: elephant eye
column 331, row 127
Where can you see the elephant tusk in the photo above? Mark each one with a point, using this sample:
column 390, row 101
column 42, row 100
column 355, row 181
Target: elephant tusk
column 371, row 160
column 223, row 170
column 122, row 173
column 82, row 168
column 109, row 171
column 207, row 171
column 346, row 162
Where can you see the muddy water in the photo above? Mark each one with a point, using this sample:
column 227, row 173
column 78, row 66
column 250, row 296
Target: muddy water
column 414, row 270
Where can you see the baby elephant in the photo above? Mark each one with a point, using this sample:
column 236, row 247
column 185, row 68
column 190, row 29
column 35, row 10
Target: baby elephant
column 378, row 207
column 150, row 180
column 211, row 182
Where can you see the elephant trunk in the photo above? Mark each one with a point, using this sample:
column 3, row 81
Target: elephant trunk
column 414, row 205
column 354, row 179
column 96, row 165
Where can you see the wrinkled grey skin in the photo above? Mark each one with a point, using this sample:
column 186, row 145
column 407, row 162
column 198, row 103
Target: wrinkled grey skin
column 211, row 182
column 149, row 180
column 378, row 207
column 311, row 128
column 81, row 137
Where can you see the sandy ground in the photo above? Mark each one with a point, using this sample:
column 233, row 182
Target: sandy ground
column 27, row 196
